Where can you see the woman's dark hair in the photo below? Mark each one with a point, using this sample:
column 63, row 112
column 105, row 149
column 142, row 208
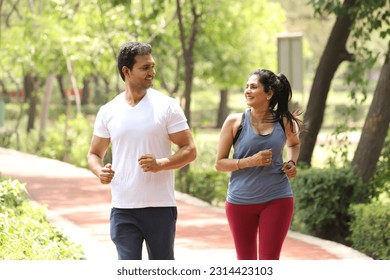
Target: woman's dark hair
column 127, row 54
column 281, row 97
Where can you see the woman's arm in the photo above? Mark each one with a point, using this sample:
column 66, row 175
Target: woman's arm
column 293, row 146
column 225, row 143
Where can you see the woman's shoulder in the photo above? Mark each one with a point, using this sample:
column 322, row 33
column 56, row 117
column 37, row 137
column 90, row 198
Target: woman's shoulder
column 235, row 116
column 234, row 119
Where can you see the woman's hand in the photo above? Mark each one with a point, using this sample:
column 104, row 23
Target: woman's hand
column 290, row 169
column 262, row 158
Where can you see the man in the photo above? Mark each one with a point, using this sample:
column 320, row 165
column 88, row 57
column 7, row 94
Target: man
column 140, row 124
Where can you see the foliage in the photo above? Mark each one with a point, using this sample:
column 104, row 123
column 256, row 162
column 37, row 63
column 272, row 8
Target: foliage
column 5, row 137
column 236, row 38
column 202, row 180
column 76, row 148
column 370, row 229
column 40, row 40
column 368, row 24
column 341, row 146
column 25, row 234
column 370, row 19
column 227, row 61
column 381, row 180
column 207, row 185
column 322, row 200
column 12, row 194
column 368, row 39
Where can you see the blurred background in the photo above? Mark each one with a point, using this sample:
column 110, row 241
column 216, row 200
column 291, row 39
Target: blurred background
column 58, row 66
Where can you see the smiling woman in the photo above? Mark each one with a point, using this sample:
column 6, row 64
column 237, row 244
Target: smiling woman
column 259, row 189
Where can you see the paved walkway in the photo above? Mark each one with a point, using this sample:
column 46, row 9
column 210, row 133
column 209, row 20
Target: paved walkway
column 80, row 205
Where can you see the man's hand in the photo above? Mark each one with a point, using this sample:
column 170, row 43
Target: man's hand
column 106, row 174
column 149, row 163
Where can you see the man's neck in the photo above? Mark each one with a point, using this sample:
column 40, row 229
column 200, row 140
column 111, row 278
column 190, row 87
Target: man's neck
column 133, row 97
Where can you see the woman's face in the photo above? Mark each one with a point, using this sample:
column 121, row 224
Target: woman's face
column 254, row 92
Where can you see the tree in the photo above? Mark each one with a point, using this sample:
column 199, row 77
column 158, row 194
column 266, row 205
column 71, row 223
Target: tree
column 188, row 40
column 334, row 54
column 219, row 50
column 234, row 45
column 375, row 128
column 356, row 20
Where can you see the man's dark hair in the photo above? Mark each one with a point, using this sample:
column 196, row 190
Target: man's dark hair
column 128, row 52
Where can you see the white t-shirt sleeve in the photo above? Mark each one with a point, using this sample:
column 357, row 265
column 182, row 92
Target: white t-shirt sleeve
column 100, row 127
column 177, row 121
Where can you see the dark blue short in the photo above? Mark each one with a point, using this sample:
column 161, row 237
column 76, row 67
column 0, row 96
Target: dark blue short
column 129, row 228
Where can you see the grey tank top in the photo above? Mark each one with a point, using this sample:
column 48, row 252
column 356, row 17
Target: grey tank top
column 259, row 184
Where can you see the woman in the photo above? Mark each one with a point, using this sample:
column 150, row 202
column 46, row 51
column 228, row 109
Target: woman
column 259, row 198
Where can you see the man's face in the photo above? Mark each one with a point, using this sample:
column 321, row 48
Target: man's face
column 143, row 72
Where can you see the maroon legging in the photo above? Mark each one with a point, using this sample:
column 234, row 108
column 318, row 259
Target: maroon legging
column 271, row 219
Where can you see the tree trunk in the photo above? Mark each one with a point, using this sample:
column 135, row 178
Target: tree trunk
column 45, row 105
column 29, row 89
column 62, row 89
column 223, row 107
column 189, row 73
column 188, row 53
column 66, row 143
column 171, row 89
column 334, row 54
column 85, row 93
column 97, row 90
column 375, row 127
column 74, row 84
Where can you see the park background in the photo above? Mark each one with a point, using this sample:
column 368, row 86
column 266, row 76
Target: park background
column 57, row 61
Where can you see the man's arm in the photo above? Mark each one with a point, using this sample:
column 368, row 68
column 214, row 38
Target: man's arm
column 95, row 157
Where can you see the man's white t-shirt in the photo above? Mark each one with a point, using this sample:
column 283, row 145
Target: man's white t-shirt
column 135, row 131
